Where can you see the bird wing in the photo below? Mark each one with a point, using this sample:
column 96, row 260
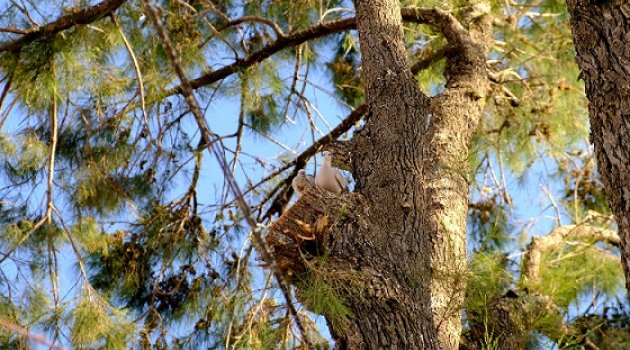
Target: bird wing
column 341, row 181
column 296, row 184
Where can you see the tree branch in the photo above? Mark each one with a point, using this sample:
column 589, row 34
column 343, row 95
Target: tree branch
column 289, row 40
column 443, row 20
column 558, row 236
column 13, row 30
column 84, row 16
column 453, row 31
column 6, row 324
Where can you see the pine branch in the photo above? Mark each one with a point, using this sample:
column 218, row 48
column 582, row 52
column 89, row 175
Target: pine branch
column 558, row 236
column 84, row 16
column 47, row 218
column 138, row 72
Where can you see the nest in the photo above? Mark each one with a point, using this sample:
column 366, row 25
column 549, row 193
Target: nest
column 306, row 229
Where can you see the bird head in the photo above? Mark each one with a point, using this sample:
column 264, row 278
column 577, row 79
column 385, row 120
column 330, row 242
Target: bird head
column 301, row 172
column 327, row 156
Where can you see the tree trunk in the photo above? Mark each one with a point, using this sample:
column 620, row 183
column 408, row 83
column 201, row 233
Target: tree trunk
column 601, row 33
column 395, row 249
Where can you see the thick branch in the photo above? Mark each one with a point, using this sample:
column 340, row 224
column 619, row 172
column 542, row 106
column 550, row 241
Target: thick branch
column 289, row 40
column 561, row 235
column 441, row 19
column 84, row 16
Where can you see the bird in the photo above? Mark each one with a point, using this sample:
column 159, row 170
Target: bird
column 301, row 182
column 330, row 178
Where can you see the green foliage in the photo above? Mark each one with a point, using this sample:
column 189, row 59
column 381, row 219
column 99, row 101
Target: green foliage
column 488, row 278
column 345, row 71
column 93, row 325
column 488, row 219
column 28, row 161
column 260, row 86
column 586, row 266
column 322, row 296
column 90, row 236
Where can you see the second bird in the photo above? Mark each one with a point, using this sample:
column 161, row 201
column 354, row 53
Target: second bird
column 330, row 178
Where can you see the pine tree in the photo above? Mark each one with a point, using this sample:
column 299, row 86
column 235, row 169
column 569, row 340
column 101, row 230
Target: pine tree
column 147, row 150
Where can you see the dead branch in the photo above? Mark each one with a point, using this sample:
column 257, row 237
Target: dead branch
column 6, row 324
column 561, row 235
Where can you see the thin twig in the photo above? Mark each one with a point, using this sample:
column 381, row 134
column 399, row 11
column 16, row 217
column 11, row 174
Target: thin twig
column 138, row 73
column 51, row 158
column 5, row 90
column 245, row 19
column 53, row 268
column 6, row 324
column 296, row 73
column 553, row 204
column 75, row 249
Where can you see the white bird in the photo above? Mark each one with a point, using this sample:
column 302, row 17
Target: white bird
column 301, row 182
column 330, row 178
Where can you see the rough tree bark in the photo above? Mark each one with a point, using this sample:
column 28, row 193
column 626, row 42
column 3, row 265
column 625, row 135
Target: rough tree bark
column 395, row 248
column 601, row 33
